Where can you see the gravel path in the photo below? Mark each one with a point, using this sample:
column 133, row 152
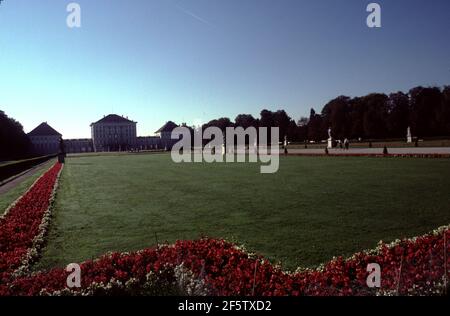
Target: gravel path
column 412, row 150
column 25, row 175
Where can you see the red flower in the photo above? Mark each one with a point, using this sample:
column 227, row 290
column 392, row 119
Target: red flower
column 224, row 269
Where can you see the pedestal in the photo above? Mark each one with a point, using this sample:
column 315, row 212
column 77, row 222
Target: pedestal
column 330, row 143
column 61, row 158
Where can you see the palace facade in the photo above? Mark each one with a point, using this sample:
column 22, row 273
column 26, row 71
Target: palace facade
column 111, row 133
column 114, row 133
column 45, row 140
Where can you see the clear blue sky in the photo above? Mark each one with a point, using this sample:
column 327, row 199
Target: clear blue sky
column 194, row 60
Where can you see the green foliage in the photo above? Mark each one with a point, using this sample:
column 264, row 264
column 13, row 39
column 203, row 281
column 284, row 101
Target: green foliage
column 374, row 116
column 14, row 143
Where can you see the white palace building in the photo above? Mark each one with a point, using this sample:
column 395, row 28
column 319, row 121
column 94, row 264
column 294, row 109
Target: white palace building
column 111, row 133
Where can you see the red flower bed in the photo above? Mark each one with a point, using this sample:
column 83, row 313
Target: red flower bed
column 22, row 224
column 220, row 268
column 417, row 266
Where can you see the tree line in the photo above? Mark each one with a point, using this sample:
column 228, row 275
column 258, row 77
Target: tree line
column 14, row 143
column 426, row 110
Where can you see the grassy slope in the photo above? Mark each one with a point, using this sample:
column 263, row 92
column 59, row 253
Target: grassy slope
column 10, row 196
column 311, row 210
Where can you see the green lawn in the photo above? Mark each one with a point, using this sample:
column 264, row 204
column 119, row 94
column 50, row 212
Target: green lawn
column 311, row 210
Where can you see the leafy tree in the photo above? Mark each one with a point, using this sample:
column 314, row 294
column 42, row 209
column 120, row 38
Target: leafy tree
column 316, row 127
column 398, row 114
column 425, row 104
column 302, row 129
column 356, row 118
column 284, row 123
column 374, row 116
column 267, row 119
column 245, row 121
column 336, row 114
column 221, row 123
column 445, row 111
column 303, row 121
column 374, row 120
column 14, row 143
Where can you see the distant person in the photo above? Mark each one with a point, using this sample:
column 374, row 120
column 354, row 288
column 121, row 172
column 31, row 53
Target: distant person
column 346, row 144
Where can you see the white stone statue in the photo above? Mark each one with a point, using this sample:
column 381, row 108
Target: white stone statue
column 330, row 139
column 223, row 147
column 408, row 135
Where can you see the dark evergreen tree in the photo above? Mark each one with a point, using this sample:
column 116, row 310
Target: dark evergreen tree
column 14, row 143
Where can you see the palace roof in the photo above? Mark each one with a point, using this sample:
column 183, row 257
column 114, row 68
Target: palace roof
column 44, row 130
column 168, row 127
column 114, row 118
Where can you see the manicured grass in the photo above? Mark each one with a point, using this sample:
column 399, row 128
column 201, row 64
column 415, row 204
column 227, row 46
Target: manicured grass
column 13, row 194
column 314, row 208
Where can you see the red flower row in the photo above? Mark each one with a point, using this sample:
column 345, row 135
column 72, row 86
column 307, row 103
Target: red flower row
column 408, row 267
column 21, row 225
column 418, row 266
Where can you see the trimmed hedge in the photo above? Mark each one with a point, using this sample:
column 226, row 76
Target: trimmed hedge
column 11, row 169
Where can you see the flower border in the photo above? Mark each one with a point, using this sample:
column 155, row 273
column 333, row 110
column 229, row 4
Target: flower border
column 13, row 204
column 34, row 251
column 25, row 223
column 218, row 267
